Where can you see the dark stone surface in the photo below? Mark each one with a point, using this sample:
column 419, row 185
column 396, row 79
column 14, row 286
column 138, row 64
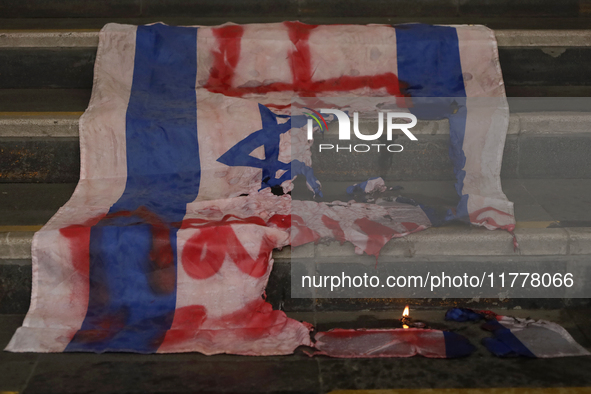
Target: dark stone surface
column 39, row 160
column 66, row 68
column 522, row 8
column 572, row 211
column 480, row 370
column 396, row 304
column 279, row 289
column 548, row 91
column 189, row 373
column 425, row 159
column 14, row 375
column 76, row 100
column 284, row 8
column 298, row 373
column 199, row 19
column 72, row 68
column 555, row 156
column 15, row 295
column 30, row 204
column 44, row 100
column 527, row 156
column 510, row 164
column 582, row 21
column 69, row 8
column 325, row 8
column 534, row 67
column 15, row 368
column 15, row 286
column 371, row 8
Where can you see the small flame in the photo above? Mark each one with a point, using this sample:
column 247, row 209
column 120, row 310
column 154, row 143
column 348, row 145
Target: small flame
column 406, row 312
column 405, row 326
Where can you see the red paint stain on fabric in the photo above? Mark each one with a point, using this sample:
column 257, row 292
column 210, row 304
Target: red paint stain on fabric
column 106, row 327
column 185, row 325
column 300, row 58
column 162, row 272
column 79, row 240
column 411, row 227
column 204, row 253
column 161, row 253
column 300, row 61
column 255, row 320
column 377, row 235
column 282, row 222
column 343, row 333
column 394, row 343
column 335, row 227
column 304, row 234
column 226, row 57
column 490, row 221
column 78, row 237
column 162, row 277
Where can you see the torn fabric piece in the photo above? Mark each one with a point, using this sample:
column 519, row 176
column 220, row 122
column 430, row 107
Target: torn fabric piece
column 370, row 186
column 467, row 314
column 367, row 226
column 530, row 338
column 521, row 337
column 392, row 343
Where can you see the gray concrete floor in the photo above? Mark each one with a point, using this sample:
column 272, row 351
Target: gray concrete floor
column 298, row 373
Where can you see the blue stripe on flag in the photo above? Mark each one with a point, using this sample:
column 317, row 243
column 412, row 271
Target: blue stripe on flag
column 429, row 66
column 504, row 343
column 457, row 345
column 133, row 251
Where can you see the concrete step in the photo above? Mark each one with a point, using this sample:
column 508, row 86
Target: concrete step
column 331, row 8
column 44, row 147
column 65, row 59
column 564, row 202
column 467, row 11
column 526, row 22
column 554, row 224
column 436, row 245
column 76, row 100
column 88, row 38
column 44, row 100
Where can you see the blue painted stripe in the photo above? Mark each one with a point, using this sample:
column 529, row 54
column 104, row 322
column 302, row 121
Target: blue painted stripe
column 429, row 67
column 504, row 343
column 457, row 345
column 132, row 292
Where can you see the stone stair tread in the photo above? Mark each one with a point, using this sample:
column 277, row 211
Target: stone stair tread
column 567, row 117
column 552, row 217
column 494, row 22
column 536, row 200
column 69, row 372
column 43, row 100
column 89, row 37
